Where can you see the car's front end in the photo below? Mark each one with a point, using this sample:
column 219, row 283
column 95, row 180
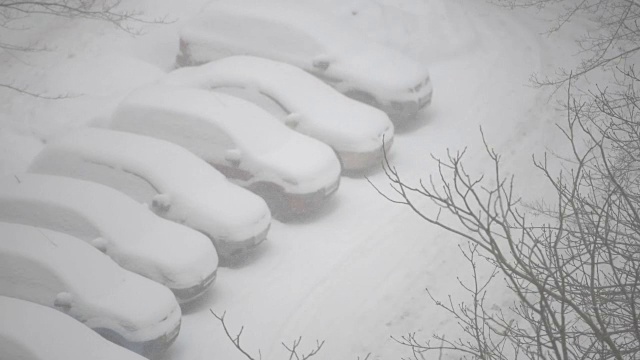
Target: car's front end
column 299, row 176
column 353, row 161
column 138, row 314
column 176, row 256
column 409, row 105
column 402, row 105
column 237, row 249
column 381, row 77
column 235, row 219
column 286, row 205
column 185, row 295
column 146, row 348
column 303, row 203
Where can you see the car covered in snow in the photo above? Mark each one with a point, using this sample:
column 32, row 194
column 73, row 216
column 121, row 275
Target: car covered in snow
column 65, row 273
column 180, row 258
column 175, row 183
column 305, row 37
column 293, row 172
column 356, row 131
column 30, row 331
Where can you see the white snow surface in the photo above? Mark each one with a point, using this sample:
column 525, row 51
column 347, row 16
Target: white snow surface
column 136, row 239
column 40, row 265
column 200, row 197
column 354, row 274
column 31, row 331
column 209, row 124
column 323, row 113
column 312, row 35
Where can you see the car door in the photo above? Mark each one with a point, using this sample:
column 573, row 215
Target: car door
column 225, row 154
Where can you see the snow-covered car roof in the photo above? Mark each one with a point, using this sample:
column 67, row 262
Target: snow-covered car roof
column 377, row 67
column 200, row 120
column 321, row 111
column 191, row 191
column 63, row 272
column 128, row 232
column 246, row 123
column 30, row 331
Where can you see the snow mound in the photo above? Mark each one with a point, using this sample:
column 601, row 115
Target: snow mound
column 62, row 272
column 322, row 112
column 215, row 115
column 303, row 36
column 212, row 125
column 126, row 231
column 34, row 332
column 143, row 167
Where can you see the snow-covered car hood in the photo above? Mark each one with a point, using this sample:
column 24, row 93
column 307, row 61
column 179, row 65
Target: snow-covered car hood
column 32, row 331
column 321, row 111
column 136, row 239
column 304, row 166
column 398, row 77
column 59, row 271
column 190, row 191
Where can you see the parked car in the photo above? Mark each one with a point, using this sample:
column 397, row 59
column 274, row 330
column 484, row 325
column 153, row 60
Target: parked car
column 292, row 171
column 313, row 41
column 176, row 184
column 305, row 103
column 29, row 331
column 62, row 272
column 180, row 258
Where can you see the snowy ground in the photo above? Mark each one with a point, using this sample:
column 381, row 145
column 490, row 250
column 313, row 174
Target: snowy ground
column 355, row 273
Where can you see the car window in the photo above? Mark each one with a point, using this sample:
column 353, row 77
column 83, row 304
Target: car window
column 47, row 215
column 206, row 134
column 186, row 127
column 124, row 180
column 29, row 278
column 257, row 97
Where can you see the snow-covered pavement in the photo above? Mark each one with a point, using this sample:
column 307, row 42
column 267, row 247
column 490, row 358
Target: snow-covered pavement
column 355, row 273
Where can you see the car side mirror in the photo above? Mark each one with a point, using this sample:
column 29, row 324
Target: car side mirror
column 161, row 203
column 292, row 120
column 321, row 63
column 63, row 300
column 233, row 156
column 100, row 243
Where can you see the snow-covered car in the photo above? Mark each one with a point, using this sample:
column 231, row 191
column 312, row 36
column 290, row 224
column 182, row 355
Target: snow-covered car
column 180, row 258
column 293, row 172
column 65, row 273
column 294, row 33
column 175, row 183
column 356, row 131
column 29, row 331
